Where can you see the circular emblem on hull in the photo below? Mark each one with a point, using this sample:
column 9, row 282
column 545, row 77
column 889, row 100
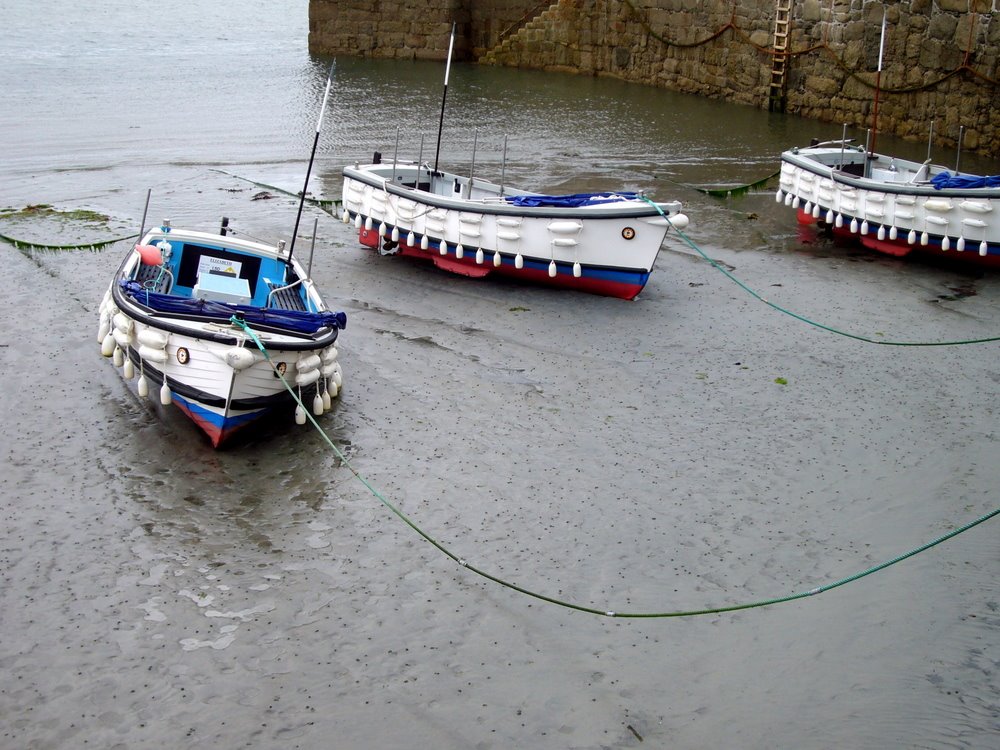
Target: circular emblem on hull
column 183, row 356
column 628, row 233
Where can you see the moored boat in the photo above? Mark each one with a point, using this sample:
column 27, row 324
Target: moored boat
column 187, row 312
column 893, row 205
column 602, row 243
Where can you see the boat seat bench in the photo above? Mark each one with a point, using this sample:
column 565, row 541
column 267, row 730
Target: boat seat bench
column 286, row 299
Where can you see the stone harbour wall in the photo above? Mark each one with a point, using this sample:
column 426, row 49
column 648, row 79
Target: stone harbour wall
column 941, row 58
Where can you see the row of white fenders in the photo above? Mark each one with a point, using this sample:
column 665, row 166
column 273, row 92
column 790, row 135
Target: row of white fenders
column 117, row 332
column 435, row 221
column 919, row 217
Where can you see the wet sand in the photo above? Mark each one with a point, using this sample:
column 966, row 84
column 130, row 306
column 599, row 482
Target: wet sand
column 625, row 456
column 692, row 449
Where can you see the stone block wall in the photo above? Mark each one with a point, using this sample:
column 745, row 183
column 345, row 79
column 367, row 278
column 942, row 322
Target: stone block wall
column 412, row 29
column 941, row 59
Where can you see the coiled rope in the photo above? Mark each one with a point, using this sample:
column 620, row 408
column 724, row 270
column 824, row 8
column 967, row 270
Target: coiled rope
column 579, row 607
column 690, row 243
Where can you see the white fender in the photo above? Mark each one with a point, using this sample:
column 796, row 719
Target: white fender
column 153, row 338
column 122, row 339
column 153, row 355
column 238, row 357
column 565, row 227
column 307, row 378
column 123, row 323
column 329, row 354
column 308, row 362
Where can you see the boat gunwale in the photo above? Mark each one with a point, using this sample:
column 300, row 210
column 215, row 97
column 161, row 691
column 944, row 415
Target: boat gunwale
column 162, row 320
column 469, row 205
column 796, row 159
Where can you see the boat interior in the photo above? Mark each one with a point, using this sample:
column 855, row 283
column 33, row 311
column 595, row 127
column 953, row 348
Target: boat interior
column 218, row 273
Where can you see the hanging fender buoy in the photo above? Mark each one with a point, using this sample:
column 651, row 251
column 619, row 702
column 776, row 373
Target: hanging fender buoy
column 307, row 378
column 153, row 355
column 152, row 338
column 239, row 358
column 166, row 398
column 518, row 261
column 149, row 255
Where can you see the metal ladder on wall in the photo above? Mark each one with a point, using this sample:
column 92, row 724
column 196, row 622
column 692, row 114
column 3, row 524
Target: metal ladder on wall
column 779, row 62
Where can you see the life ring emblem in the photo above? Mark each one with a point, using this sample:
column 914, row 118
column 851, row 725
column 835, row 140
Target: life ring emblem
column 183, row 356
column 628, row 233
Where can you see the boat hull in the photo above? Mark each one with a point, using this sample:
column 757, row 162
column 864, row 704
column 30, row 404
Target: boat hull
column 469, row 229
column 889, row 206
column 223, row 365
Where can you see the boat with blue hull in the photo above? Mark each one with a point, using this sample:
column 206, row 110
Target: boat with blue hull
column 189, row 312
column 602, row 243
column 893, row 205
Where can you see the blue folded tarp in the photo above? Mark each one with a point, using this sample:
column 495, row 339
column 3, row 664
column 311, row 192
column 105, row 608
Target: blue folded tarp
column 568, row 201
column 964, row 181
column 292, row 320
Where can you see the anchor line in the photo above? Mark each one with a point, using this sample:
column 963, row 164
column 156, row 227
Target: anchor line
column 756, row 295
column 579, row 607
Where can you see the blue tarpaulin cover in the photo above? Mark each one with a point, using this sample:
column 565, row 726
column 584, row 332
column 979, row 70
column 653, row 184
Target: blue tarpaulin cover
column 947, row 180
column 292, row 320
column 569, row 201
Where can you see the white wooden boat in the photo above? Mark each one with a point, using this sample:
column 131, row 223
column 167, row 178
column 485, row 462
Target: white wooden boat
column 893, row 205
column 184, row 313
column 604, row 243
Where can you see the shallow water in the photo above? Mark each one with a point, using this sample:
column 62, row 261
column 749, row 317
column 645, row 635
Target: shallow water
column 636, row 457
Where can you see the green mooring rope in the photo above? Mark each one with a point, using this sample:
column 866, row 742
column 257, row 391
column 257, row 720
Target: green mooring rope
column 580, row 608
column 690, row 243
column 28, row 245
column 326, row 204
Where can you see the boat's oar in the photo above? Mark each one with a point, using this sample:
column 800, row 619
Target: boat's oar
column 312, row 157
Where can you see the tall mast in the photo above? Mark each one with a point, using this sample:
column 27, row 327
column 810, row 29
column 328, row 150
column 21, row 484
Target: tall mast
column 312, row 156
column 444, row 96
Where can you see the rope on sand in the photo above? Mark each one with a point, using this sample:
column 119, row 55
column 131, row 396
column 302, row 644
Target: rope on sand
column 577, row 607
column 326, row 204
column 690, row 243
